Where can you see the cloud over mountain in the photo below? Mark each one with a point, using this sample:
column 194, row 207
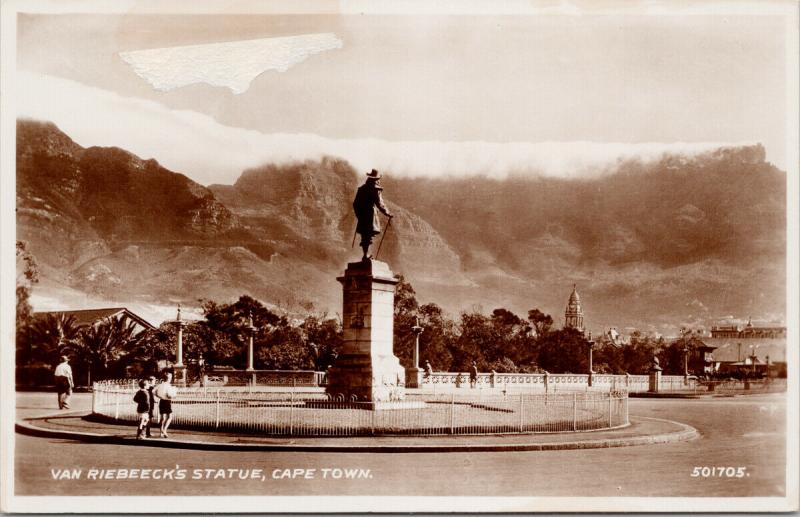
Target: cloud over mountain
column 210, row 152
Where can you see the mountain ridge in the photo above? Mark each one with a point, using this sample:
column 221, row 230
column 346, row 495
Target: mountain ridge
column 643, row 243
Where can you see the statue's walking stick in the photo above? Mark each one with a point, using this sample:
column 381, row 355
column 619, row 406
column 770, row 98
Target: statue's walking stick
column 382, row 237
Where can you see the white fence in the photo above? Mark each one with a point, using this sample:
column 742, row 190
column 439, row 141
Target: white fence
column 555, row 382
column 315, row 414
column 446, row 381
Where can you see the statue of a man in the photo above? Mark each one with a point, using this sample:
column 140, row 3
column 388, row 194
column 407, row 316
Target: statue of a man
column 368, row 197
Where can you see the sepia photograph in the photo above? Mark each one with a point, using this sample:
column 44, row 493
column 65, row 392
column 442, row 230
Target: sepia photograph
column 399, row 256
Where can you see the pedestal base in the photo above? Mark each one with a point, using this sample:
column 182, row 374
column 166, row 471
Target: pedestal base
column 414, row 377
column 367, row 369
column 655, row 381
column 359, row 378
column 179, row 379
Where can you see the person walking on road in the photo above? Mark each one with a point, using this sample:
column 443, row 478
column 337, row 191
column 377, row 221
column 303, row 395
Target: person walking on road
column 64, row 382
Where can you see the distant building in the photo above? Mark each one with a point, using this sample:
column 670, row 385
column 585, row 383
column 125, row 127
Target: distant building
column 573, row 316
column 748, row 331
column 91, row 317
column 613, row 337
column 742, row 350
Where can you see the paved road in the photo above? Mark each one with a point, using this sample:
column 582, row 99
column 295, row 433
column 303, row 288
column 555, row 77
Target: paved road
column 736, row 432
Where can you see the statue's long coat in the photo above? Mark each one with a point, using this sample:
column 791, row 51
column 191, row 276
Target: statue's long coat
column 368, row 197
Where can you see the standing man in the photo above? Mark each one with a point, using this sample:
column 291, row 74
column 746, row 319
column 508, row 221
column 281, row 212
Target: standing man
column 165, row 392
column 473, row 375
column 64, row 383
column 368, row 197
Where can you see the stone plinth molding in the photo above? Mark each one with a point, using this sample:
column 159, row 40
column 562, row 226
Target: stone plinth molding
column 367, row 370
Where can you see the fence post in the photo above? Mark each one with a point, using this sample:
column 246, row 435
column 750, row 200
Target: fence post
column 452, row 413
column 575, row 411
column 521, row 412
column 216, row 415
column 546, row 382
column 116, row 409
column 291, row 414
column 94, row 398
column 610, row 400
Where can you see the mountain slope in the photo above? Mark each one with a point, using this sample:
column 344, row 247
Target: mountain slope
column 652, row 245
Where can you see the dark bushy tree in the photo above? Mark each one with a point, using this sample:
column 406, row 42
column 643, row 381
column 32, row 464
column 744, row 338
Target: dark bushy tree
column 324, row 337
column 638, row 354
column 540, row 322
column 437, row 339
column 564, row 351
column 406, row 312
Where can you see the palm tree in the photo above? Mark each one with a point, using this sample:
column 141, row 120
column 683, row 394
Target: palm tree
column 103, row 343
column 51, row 335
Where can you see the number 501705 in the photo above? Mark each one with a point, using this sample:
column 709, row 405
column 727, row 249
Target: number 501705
column 720, row 472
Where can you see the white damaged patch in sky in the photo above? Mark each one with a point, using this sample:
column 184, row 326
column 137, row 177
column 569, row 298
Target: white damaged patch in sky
column 232, row 64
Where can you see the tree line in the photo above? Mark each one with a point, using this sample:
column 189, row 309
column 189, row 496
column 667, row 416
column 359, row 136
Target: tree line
column 501, row 341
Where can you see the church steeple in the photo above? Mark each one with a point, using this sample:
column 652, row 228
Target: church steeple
column 573, row 316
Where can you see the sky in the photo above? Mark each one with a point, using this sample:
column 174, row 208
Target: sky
column 416, row 95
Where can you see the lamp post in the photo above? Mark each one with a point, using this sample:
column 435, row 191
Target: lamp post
column 251, row 330
column 417, row 330
column 686, row 361
column 414, row 374
column 180, row 368
column 590, row 343
column 754, row 357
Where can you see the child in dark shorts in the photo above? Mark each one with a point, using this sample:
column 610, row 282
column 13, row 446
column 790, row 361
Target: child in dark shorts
column 151, row 417
column 142, row 399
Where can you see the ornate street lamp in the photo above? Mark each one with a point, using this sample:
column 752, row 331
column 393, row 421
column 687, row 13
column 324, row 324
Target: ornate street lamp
column 179, row 367
column 686, row 361
column 251, row 330
column 590, row 343
column 417, row 330
column 414, row 373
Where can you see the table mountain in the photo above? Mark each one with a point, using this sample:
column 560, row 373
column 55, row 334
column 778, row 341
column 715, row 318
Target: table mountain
column 653, row 245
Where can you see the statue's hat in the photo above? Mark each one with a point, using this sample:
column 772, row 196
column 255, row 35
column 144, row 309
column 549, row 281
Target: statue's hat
column 374, row 174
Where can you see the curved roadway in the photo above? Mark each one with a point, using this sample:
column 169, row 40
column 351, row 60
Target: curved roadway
column 746, row 432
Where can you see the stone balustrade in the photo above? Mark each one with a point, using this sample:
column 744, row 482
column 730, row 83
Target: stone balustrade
column 555, row 381
column 449, row 380
column 287, row 378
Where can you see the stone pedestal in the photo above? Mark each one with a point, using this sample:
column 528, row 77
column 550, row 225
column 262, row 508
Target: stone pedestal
column 655, row 381
column 179, row 379
column 366, row 369
column 414, row 377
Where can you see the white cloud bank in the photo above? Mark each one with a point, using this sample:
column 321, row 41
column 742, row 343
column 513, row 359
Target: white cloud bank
column 231, row 64
column 209, row 152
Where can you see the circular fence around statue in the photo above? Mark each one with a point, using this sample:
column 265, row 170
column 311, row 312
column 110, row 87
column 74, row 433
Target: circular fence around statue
column 298, row 413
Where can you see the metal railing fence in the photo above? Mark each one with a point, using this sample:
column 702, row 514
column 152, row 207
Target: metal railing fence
column 316, row 414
